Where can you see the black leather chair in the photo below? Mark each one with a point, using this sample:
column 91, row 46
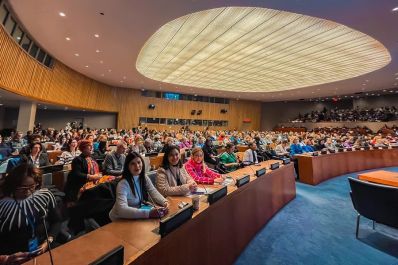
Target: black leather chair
column 375, row 202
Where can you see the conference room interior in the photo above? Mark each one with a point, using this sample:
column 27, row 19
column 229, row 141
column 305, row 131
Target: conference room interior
column 198, row 132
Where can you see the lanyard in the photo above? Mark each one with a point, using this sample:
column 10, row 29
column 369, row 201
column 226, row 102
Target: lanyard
column 30, row 219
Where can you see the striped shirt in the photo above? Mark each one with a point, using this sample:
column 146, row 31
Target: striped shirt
column 14, row 217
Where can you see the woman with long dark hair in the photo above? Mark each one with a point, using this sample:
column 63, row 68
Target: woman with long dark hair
column 135, row 192
column 173, row 179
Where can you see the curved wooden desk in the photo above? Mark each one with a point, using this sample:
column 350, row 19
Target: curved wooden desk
column 315, row 169
column 217, row 234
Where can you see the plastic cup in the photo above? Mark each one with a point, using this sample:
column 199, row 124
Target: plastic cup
column 195, row 202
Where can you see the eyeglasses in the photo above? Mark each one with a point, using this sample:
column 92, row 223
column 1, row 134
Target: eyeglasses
column 27, row 188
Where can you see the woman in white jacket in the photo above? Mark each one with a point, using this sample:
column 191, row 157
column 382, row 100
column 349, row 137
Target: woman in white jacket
column 135, row 192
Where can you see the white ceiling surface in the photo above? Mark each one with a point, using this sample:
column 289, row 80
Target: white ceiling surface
column 126, row 25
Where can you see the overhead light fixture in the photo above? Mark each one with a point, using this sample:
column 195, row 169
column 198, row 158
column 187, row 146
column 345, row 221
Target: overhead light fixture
column 76, row 54
column 97, row 50
column 395, row 9
column 62, row 14
column 96, row 35
column 226, row 49
column 67, row 38
column 86, row 66
column 101, row 61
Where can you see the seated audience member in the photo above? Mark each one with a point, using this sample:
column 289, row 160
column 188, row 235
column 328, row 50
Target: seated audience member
column 70, row 153
column 102, row 148
column 5, row 149
column 135, row 191
column 172, row 178
column 61, row 143
column 281, row 149
column 18, row 142
column 210, row 153
column 198, row 170
column 36, row 156
column 157, row 144
column 184, row 143
column 296, row 148
column 320, row 145
column 34, row 138
column 24, row 209
column 307, row 148
column 148, row 144
column 114, row 161
column 168, row 142
column 250, row 155
column 84, row 169
column 229, row 158
column 330, row 145
column 138, row 145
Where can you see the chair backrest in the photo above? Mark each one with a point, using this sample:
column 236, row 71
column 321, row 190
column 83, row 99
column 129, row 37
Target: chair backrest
column 152, row 175
column 374, row 201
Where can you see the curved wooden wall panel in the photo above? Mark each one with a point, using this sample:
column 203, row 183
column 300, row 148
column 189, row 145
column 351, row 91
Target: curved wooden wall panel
column 23, row 75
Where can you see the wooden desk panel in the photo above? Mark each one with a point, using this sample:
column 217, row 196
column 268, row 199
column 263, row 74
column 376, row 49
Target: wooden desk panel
column 314, row 170
column 381, row 177
column 217, row 234
column 87, row 249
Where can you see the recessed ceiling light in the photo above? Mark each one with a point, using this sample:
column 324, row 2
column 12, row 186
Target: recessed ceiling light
column 142, row 89
column 76, row 54
column 391, row 91
column 67, row 38
column 86, row 66
column 18, row 38
column 395, row 9
column 96, row 35
column 372, row 94
column 384, row 90
column 101, row 61
column 97, row 50
column 1, row 104
column 62, row 14
column 110, row 70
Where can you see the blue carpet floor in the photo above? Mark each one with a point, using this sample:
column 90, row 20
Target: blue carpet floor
column 318, row 227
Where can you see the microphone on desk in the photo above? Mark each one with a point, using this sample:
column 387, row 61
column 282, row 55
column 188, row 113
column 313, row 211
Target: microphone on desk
column 43, row 218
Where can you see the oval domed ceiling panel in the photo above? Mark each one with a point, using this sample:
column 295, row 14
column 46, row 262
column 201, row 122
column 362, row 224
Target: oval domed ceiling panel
column 249, row 49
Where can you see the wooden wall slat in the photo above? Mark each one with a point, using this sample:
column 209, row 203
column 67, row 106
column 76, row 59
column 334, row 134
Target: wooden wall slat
column 21, row 74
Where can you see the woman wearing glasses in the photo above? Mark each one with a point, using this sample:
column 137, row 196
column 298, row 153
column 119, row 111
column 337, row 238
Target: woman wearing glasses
column 23, row 210
column 198, row 170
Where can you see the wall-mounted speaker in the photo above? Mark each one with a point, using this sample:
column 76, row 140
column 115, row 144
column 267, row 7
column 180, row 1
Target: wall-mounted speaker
column 223, row 111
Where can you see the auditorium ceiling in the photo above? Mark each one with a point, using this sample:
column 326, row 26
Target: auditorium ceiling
column 259, row 50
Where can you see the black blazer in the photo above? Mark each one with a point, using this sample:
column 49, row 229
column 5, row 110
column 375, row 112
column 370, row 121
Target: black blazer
column 43, row 159
column 77, row 177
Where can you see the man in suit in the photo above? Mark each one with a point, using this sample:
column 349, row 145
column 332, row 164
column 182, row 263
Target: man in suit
column 250, row 155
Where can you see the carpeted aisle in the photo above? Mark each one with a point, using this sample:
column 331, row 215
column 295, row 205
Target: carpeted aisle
column 318, row 227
